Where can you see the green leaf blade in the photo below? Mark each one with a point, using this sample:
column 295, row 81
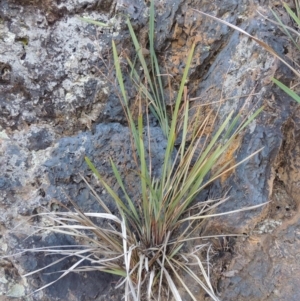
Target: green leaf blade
column 286, row 89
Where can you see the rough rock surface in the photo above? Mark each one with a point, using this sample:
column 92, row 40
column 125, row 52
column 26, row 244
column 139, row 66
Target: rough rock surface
column 59, row 102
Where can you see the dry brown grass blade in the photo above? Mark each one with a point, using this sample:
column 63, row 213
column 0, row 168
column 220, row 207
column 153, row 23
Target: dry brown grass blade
column 258, row 41
column 95, row 194
column 71, row 269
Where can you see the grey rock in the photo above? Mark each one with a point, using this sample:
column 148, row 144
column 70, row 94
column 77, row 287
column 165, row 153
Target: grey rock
column 59, row 103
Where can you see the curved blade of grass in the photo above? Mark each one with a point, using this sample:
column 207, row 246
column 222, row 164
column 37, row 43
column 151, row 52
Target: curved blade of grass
column 220, row 214
column 198, row 171
column 138, row 50
column 285, row 28
column 63, row 275
column 286, row 89
column 155, row 68
column 144, row 177
column 197, row 279
column 291, row 13
column 160, row 110
column 82, row 218
column 261, row 43
column 94, row 22
column 279, row 24
column 121, row 206
column 231, row 127
column 154, row 106
column 119, row 74
column 172, row 132
column 130, row 203
column 185, row 124
column 117, row 272
column 219, row 175
column 297, row 8
column 124, row 95
column 180, row 266
column 150, row 81
column 47, row 266
column 102, row 204
column 175, row 251
column 250, row 119
column 170, row 282
column 213, row 142
column 150, row 284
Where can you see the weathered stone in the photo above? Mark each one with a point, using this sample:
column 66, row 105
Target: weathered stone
column 76, row 286
column 43, row 82
column 59, row 102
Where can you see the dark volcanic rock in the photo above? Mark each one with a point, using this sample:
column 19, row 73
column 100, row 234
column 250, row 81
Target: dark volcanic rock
column 52, row 179
column 111, row 141
column 59, row 102
column 83, row 286
column 43, row 82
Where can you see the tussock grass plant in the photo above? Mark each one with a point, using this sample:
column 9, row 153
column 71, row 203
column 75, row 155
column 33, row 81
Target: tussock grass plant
column 146, row 242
